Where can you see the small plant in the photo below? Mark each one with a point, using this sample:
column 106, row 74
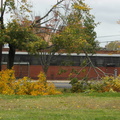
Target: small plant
column 79, row 86
column 74, row 81
column 61, row 71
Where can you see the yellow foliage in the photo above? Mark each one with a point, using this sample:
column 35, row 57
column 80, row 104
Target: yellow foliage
column 111, row 84
column 6, row 78
column 84, row 8
column 25, row 86
column 81, row 6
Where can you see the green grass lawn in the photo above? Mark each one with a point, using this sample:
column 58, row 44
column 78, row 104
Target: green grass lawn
column 68, row 106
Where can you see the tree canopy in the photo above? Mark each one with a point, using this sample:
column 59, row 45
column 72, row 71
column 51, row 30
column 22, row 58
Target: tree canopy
column 71, row 30
column 18, row 32
column 114, row 46
column 78, row 33
column 68, row 26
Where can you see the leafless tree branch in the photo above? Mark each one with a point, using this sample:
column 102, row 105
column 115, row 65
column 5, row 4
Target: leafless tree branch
column 33, row 24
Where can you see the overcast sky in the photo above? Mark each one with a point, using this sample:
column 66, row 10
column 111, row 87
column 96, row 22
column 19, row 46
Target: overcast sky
column 107, row 12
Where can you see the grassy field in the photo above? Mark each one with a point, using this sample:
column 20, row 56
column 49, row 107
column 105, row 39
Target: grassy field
column 68, row 106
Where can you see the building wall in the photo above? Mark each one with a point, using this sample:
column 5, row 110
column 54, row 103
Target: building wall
column 32, row 71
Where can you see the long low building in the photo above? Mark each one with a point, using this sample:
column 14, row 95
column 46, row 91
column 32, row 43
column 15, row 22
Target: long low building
column 63, row 65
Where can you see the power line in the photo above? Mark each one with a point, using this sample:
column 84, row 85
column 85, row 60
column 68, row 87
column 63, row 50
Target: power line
column 108, row 41
column 107, row 36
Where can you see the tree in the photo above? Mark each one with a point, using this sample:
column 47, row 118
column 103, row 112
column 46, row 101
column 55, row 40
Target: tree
column 19, row 37
column 19, row 32
column 71, row 30
column 69, row 26
column 16, row 34
column 52, row 23
column 114, row 46
column 6, row 6
column 78, row 34
column 2, row 11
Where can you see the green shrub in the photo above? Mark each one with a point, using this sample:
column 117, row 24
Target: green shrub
column 80, row 86
column 107, row 84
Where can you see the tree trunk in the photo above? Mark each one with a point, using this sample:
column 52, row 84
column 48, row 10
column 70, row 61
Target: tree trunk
column 11, row 56
column 0, row 57
column 45, row 69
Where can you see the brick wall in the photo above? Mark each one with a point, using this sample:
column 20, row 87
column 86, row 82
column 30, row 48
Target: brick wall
column 53, row 71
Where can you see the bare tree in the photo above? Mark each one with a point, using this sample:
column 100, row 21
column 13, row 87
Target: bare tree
column 46, row 27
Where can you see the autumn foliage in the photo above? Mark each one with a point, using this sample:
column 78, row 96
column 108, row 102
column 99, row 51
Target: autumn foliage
column 107, row 84
column 25, row 86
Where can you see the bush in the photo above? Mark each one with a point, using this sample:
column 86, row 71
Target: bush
column 7, row 77
column 79, row 86
column 25, row 86
column 107, row 84
column 111, row 84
